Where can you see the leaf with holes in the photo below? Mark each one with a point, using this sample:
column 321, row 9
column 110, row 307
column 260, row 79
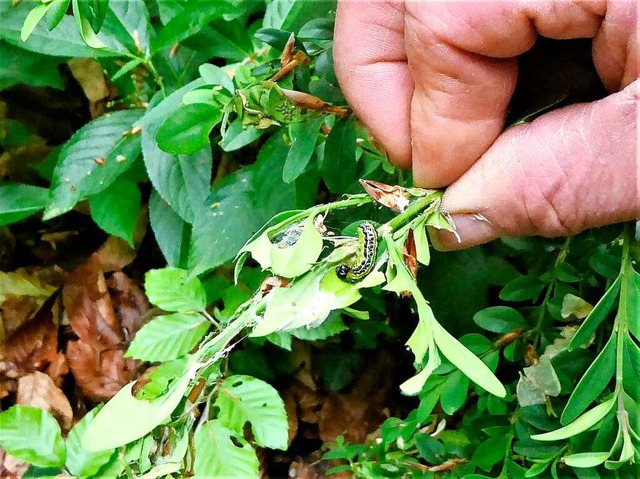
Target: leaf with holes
column 242, row 399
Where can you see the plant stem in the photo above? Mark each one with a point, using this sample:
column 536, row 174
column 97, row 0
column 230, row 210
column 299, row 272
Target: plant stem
column 547, row 296
column 411, row 212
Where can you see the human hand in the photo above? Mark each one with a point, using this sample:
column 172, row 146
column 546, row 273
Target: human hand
column 432, row 81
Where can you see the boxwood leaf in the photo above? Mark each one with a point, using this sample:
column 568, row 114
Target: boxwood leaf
column 499, row 319
column 593, row 382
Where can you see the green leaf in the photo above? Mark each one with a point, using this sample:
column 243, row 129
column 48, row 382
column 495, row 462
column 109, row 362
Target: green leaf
column 187, row 130
column 596, row 316
column 303, row 142
column 183, row 181
column 522, row 288
column 172, row 290
column 214, row 75
column 81, row 462
column 243, row 398
column 586, row 459
column 537, row 469
column 22, row 66
column 631, row 368
column 454, row 393
column 32, row 435
column 499, row 319
column 631, row 304
column 124, row 418
column 168, row 228
column 62, row 41
column 593, row 382
column 18, row 202
column 117, row 209
column 57, row 11
column 32, row 20
column 581, row 424
column 81, row 14
column 338, row 165
column 288, row 260
column 467, row 362
column 237, row 136
column 490, row 452
column 430, row 449
column 168, row 337
column 423, row 254
column 92, row 160
column 187, row 23
column 567, row 273
column 222, row 453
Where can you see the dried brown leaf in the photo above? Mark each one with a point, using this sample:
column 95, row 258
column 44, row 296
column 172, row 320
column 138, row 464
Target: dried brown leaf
column 38, row 390
column 89, row 308
column 393, row 197
column 100, row 374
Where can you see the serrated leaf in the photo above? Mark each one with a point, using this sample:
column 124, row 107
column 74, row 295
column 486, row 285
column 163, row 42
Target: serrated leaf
column 168, row 228
column 81, row 462
column 183, row 181
column 222, row 453
column 32, row 435
column 243, row 398
column 18, row 202
column 467, row 362
column 596, row 316
column 124, row 418
column 172, row 290
column 581, row 424
column 499, row 319
column 168, row 337
column 92, row 160
column 593, row 382
column 187, row 130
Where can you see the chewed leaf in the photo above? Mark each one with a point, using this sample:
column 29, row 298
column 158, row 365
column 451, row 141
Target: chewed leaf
column 584, row 422
column 415, row 384
column 289, row 253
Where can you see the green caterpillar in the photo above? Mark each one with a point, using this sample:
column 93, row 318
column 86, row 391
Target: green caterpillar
column 364, row 262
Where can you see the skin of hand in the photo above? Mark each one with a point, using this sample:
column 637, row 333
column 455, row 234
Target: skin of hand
column 432, row 80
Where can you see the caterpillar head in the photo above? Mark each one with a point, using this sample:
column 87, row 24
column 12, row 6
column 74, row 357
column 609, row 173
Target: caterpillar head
column 342, row 270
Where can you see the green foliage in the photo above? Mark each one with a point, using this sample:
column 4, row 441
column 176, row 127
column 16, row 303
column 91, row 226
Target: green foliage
column 231, row 156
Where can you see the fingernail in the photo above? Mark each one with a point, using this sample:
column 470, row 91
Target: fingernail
column 471, row 230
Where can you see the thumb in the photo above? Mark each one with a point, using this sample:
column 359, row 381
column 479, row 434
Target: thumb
column 569, row 170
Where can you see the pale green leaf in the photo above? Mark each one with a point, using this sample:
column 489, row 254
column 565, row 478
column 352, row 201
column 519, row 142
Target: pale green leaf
column 466, row 361
column 32, row 20
column 124, row 418
column 586, row 459
column 32, row 435
column 244, row 398
column 172, row 290
column 220, row 453
column 168, row 337
column 81, row 462
column 581, row 424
